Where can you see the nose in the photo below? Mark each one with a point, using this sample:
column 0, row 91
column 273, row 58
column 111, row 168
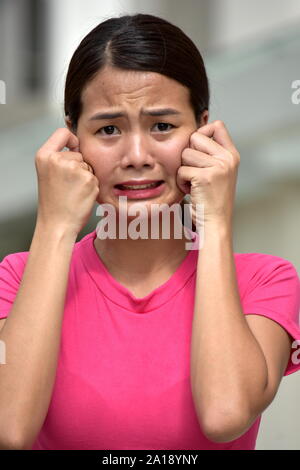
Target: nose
column 137, row 152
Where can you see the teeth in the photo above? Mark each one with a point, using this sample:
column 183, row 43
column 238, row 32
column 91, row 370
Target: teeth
column 140, row 186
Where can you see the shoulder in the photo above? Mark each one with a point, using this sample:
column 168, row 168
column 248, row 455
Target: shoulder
column 270, row 295
column 260, row 269
column 270, row 282
column 258, row 260
column 14, row 262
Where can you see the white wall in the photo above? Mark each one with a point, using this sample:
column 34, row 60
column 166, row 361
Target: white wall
column 69, row 22
column 12, row 32
column 242, row 20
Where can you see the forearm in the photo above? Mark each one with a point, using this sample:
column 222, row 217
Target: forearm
column 228, row 368
column 32, row 337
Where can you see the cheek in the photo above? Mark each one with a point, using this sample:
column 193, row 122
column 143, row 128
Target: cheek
column 100, row 159
column 173, row 152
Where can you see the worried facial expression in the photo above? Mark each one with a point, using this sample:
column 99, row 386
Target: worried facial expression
column 134, row 126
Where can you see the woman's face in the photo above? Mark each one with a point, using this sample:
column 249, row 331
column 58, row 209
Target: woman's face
column 148, row 124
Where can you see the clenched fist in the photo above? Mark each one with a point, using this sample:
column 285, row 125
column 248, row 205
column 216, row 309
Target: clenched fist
column 67, row 187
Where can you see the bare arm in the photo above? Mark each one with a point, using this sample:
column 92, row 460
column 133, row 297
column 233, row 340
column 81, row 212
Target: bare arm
column 32, row 337
column 2, row 321
column 237, row 362
column 32, row 331
column 225, row 382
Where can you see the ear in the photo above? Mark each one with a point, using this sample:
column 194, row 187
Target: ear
column 204, row 118
column 69, row 124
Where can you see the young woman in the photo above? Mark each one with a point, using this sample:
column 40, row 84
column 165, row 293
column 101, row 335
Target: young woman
column 132, row 342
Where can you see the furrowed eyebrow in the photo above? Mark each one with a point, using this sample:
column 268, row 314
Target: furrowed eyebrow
column 149, row 112
column 160, row 112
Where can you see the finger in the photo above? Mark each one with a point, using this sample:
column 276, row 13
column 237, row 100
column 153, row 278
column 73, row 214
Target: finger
column 89, row 167
column 206, row 144
column 218, row 131
column 61, row 138
column 196, row 158
column 188, row 173
column 72, row 156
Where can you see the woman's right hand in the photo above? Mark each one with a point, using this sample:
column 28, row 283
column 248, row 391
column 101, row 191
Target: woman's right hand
column 67, row 187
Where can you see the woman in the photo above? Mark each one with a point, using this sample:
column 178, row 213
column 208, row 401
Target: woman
column 140, row 343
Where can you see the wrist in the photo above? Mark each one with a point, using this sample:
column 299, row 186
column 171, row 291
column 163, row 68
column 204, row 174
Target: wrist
column 216, row 232
column 218, row 228
column 53, row 232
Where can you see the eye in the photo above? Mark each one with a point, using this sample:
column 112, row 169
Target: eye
column 109, row 130
column 163, row 126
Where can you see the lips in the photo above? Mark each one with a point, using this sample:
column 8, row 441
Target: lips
column 140, row 189
column 142, row 184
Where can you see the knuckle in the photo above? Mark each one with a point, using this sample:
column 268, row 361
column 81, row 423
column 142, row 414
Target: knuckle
column 53, row 158
column 180, row 171
column 73, row 165
column 222, row 164
column 96, row 182
column 219, row 123
column 63, row 130
column 84, row 170
column 228, row 155
column 89, row 178
column 235, row 158
column 43, row 156
column 39, row 155
column 194, row 137
column 185, row 153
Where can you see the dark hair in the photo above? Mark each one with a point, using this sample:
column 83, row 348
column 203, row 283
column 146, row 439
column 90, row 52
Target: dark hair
column 137, row 42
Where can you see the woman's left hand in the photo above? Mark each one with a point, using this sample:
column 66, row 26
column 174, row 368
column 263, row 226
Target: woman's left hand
column 210, row 166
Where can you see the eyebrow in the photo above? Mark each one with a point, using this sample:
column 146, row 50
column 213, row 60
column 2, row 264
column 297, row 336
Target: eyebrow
column 145, row 112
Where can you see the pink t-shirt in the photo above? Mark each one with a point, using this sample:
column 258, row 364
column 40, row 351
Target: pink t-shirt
column 123, row 373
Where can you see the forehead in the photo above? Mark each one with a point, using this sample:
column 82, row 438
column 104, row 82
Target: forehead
column 113, row 87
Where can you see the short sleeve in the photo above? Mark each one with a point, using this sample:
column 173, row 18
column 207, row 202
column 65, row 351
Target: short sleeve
column 273, row 290
column 11, row 272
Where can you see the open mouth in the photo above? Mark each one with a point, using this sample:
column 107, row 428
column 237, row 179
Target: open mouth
column 139, row 186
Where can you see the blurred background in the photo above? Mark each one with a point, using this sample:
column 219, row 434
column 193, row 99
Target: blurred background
column 252, row 53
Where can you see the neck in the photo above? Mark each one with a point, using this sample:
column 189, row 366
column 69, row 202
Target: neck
column 141, row 257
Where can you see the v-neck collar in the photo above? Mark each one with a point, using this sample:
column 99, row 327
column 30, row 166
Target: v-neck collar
column 119, row 294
